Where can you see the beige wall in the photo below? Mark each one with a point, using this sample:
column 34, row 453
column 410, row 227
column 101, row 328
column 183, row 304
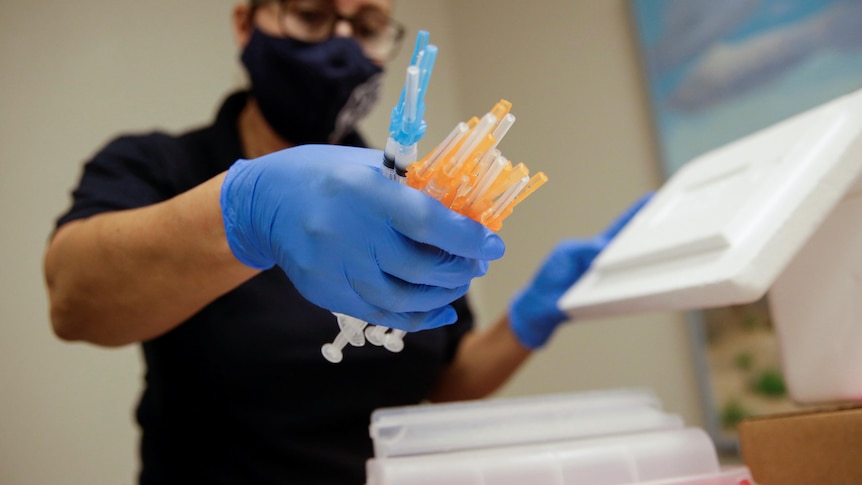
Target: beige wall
column 76, row 73
column 571, row 72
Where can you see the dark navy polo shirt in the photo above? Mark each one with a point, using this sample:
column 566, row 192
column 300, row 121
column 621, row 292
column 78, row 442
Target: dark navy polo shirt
column 240, row 393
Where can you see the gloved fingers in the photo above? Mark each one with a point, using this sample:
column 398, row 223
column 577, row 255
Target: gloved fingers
column 612, row 230
column 398, row 296
column 534, row 316
column 406, row 210
column 566, row 263
column 416, row 321
column 425, row 220
column 533, row 313
column 407, row 321
column 422, row 264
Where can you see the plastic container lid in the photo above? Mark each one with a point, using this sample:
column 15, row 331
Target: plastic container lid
column 423, row 429
column 723, row 228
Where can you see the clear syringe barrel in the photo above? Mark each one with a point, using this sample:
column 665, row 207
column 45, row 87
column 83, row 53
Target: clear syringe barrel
column 404, row 157
column 389, row 155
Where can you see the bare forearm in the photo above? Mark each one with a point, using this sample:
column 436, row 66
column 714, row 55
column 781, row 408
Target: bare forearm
column 129, row 276
column 485, row 360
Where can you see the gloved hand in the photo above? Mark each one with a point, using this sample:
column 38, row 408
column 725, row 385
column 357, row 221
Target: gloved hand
column 533, row 312
column 349, row 239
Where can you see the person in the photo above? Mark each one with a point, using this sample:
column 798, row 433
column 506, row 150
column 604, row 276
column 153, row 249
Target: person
column 224, row 250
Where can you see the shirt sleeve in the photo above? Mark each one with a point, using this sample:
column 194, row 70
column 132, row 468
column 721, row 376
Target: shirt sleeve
column 127, row 173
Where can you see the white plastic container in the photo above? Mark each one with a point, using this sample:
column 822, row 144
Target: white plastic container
column 616, row 437
column 680, row 456
column 780, row 208
column 414, row 430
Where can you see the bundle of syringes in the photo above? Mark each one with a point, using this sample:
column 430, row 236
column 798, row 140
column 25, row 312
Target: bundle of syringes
column 465, row 172
column 468, row 174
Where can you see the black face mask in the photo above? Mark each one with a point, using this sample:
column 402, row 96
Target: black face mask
column 311, row 92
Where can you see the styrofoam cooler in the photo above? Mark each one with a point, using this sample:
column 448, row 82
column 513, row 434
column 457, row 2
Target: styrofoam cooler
column 777, row 211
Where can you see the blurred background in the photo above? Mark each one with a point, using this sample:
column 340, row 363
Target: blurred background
column 76, row 74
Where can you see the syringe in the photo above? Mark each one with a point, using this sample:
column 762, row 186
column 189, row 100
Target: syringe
column 468, row 174
column 406, row 128
column 407, row 123
column 465, row 172
column 350, row 332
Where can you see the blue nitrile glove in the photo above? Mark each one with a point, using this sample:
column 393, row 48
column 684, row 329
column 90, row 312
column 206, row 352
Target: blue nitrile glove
column 351, row 240
column 533, row 312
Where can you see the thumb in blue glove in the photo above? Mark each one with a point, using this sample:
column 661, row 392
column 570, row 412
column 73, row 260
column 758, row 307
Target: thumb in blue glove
column 350, row 240
column 533, row 312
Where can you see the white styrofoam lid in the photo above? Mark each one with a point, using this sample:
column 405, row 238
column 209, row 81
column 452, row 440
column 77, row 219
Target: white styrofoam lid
column 722, row 229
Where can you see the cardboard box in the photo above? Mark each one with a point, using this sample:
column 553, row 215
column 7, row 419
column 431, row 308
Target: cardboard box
column 822, row 447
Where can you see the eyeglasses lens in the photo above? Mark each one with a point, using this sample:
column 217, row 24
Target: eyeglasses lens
column 316, row 20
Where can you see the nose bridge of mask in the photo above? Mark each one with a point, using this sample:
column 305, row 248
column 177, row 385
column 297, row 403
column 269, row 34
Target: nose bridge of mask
column 343, row 28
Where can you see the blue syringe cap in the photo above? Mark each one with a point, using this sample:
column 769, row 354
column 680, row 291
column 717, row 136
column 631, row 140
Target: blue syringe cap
column 407, row 125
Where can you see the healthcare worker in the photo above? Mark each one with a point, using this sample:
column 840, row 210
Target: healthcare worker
column 223, row 250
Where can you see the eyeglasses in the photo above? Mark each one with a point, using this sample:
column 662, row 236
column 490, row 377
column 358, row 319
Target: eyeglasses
column 315, row 21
